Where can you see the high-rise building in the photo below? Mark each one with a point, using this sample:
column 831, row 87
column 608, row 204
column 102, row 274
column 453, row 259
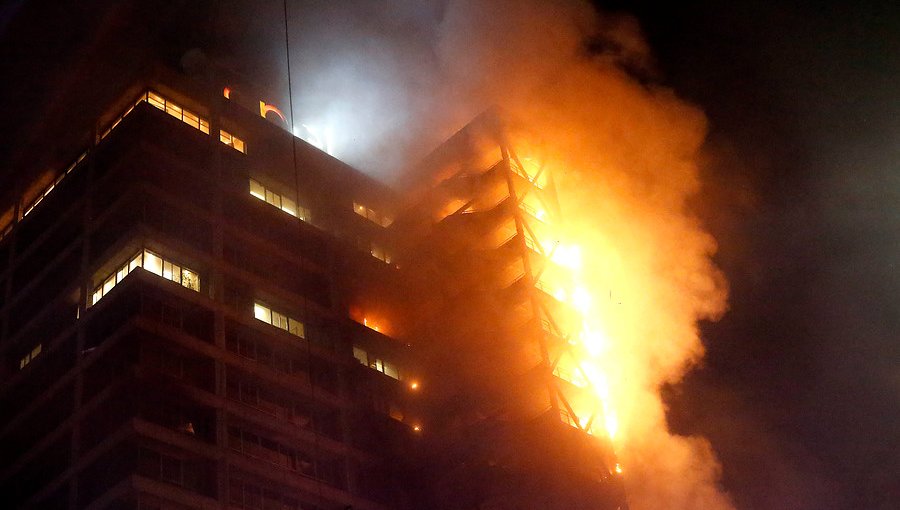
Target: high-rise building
column 201, row 310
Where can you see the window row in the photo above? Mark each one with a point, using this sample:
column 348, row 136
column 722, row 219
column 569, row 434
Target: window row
column 28, row 358
column 251, row 394
column 54, row 184
column 154, row 99
column 258, row 351
column 193, row 120
column 192, row 474
column 161, row 103
column 153, row 263
column 279, row 320
column 372, row 215
column 248, row 496
column 375, row 363
column 271, row 451
column 182, row 114
column 381, row 254
column 232, row 141
column 119, row 119
column 282, row 202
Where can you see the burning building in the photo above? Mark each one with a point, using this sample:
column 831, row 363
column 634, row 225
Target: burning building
column 201, row 306
column 201, row 310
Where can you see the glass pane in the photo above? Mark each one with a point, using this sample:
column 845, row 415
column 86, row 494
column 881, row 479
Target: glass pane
column 296, row 328
column 153, row 263
column 135, row 263
column 360, row 355
column 121, row 273
column 262, row 313
column 279, row 321
column 224, row 137
column 257, row 190
column 167, row 270
column 96, row 296
column 204, row 126
column 191, row 119
column 391, row 371
column 109, row 284
column 289, row 206
column 239, row 144
column 273, row 198
column 190, row 279
column 156, row 101
column 173, row 110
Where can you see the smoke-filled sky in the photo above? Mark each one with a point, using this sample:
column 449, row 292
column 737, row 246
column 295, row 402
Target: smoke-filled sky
column 789, row 113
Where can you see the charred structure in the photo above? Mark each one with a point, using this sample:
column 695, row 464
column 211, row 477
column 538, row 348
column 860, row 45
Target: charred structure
column 201, row 310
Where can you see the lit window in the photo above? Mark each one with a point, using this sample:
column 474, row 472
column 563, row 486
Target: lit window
column 280, row 201
column 386, row 368
column 279, row 320
column 232, row 141
column 191, row 120
column 391, row 371
column 361, row 355
column 28, row 358
column 273, row 198
column 188, row 117
column 190, row 279
column 257, row 190
column 135, row 262
column 371, row 215
column 174, row 110
column 288, row 206
column 296, row 328
column 156, row 100
column 262, row 313
column 154, row 264
column 109, row 284
column 381, row 254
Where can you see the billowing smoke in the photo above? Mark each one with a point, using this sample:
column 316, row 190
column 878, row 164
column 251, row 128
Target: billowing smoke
column 389, row 83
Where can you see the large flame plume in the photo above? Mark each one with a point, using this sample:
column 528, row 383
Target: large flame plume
column 624, row 156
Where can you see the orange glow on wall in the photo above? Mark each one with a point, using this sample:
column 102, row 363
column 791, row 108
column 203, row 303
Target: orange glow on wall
column 265, row 108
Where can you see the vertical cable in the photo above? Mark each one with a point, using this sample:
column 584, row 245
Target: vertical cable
column 312, row 382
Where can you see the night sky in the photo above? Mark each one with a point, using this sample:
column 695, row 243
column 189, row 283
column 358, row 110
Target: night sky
column 800, row 389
